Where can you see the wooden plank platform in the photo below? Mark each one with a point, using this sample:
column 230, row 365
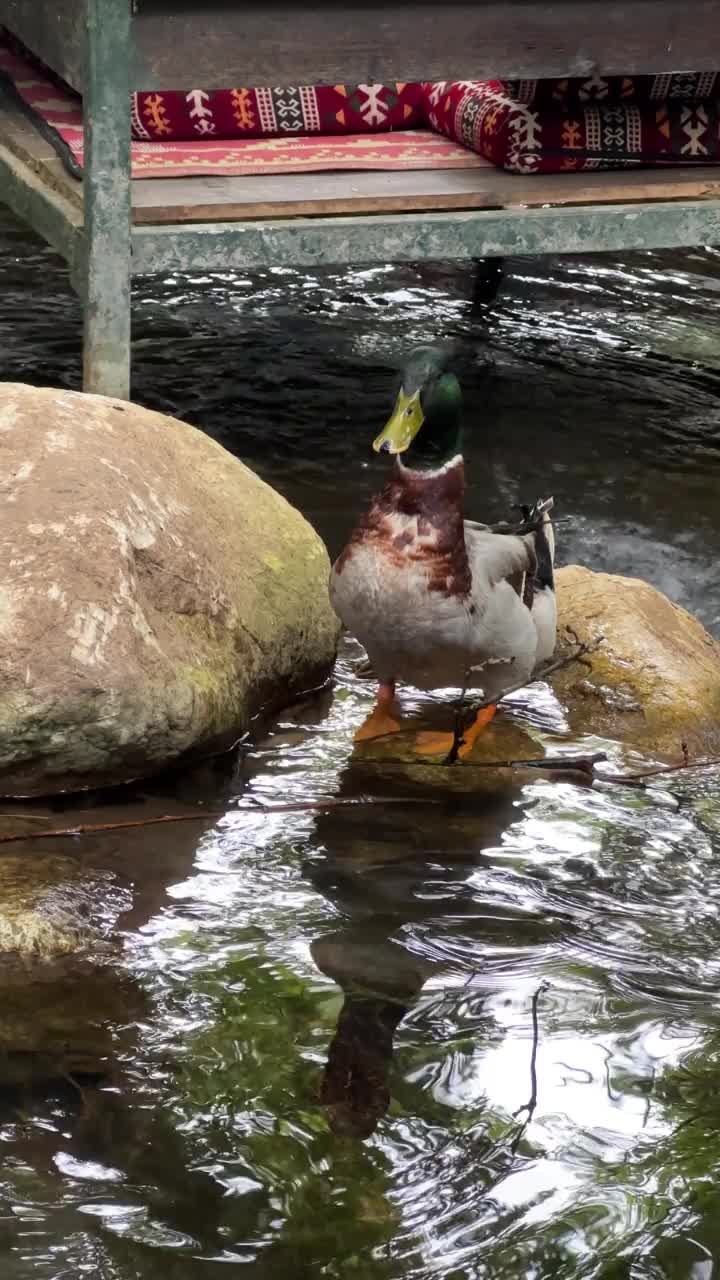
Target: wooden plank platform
column 160, row 201
column 37, row 189
column 298, row 220
column 176, row 201
column 329, row 219
column 220, row 43
column 18, row 136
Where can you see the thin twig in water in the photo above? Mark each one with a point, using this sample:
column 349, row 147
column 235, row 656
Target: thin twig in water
column 581, row 651
column 208, row 815
column 458, row 732
column 553, row 764
column 657, row 772
column 583, row 764
column 459, row 727
column 27, row 817
column 531, row 1104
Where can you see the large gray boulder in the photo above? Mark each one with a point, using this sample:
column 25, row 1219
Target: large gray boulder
column 154, row 593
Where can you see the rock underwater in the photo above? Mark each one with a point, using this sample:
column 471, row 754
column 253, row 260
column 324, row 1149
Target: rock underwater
column 155, row 594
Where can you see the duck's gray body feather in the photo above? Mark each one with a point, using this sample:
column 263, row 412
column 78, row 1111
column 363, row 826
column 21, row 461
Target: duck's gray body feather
column 438, row 611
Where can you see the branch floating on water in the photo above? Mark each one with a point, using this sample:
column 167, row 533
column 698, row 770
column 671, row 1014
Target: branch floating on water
column 531, row 1104
column 638, row 779
column 208, row 815
column 579, row 654
column 584, row 764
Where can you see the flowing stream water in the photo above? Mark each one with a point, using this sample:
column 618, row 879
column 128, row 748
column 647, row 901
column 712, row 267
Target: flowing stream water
column 319, row 1027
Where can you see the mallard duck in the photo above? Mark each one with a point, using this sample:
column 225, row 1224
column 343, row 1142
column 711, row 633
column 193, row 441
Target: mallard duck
column 436, row 600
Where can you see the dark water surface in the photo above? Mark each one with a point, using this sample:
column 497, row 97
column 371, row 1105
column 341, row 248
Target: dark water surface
column 319, row 1027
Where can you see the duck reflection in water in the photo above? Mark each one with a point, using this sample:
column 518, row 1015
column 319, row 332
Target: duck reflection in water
column 390, row 883
column 355, row 1084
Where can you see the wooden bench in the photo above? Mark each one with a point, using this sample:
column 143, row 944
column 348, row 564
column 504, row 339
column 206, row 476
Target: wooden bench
column 109, row 228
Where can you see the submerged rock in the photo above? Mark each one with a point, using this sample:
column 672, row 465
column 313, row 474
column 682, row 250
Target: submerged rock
column 52, row 906
column 653, row 682
column 62, row 1020
column 154, row 593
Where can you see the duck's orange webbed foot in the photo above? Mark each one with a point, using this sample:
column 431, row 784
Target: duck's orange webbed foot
column 382, row 719
column 428, row 743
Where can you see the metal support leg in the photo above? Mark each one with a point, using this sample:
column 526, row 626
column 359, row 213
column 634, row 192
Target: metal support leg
column 486, row 281
column 106, row 362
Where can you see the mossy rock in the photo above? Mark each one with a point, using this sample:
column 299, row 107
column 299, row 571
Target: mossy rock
column 652, row 682
column 155, row 594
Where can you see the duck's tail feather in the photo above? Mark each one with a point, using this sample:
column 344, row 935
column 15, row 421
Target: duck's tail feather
column 545, row 545
column 536, row 520
column 541, row 594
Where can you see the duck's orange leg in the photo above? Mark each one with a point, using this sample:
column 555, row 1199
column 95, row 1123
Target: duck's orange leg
column 381, row 719
column 435, row 744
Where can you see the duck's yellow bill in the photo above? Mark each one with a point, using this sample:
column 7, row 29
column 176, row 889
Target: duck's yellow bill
column 404, row 424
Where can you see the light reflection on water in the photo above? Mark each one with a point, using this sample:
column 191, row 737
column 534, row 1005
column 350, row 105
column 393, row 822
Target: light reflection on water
column 329, row 1073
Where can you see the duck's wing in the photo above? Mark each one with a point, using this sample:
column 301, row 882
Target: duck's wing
column 522, row 554
column 499, row 557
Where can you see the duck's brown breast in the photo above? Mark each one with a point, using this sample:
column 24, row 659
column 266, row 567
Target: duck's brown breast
column 416, row 521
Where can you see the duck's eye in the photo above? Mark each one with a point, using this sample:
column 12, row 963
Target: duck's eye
column 408, row 411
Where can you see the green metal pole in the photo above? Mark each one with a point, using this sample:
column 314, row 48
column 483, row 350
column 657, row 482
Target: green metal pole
column 106, row 363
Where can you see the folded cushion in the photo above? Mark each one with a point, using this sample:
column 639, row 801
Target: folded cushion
column 198, row 114
column 556, row 138
column 685, row 86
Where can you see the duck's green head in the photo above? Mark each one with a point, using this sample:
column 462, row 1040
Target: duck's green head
column 426, row 423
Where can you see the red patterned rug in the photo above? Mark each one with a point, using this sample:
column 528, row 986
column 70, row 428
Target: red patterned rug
column 405, row 149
